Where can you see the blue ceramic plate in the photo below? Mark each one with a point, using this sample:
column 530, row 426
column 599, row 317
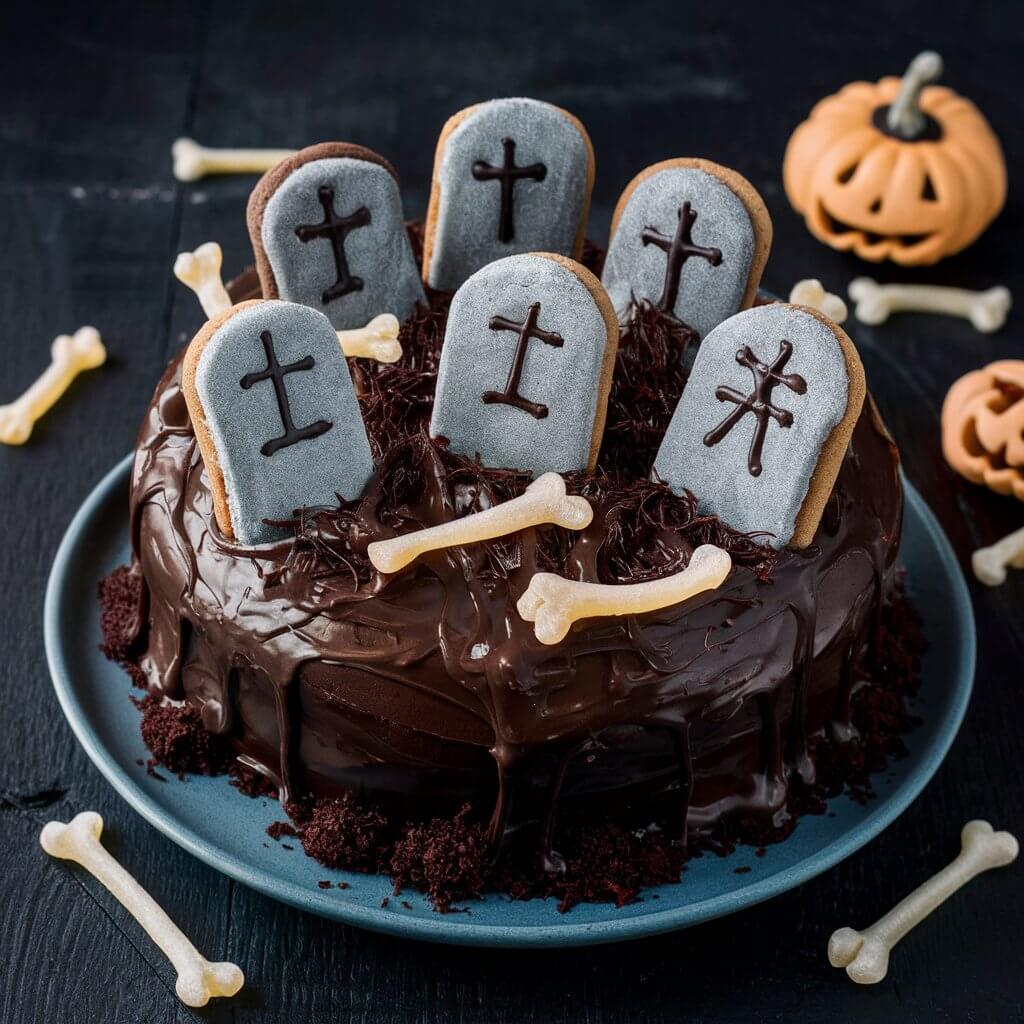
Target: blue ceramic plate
column 211, row 820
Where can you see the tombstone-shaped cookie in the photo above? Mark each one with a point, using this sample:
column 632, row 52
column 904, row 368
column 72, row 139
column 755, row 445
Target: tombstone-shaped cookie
column 691, row 238
column 526, row 366
column 765, row 420
column 327, row 231
column 510, row 176
column 275, row 415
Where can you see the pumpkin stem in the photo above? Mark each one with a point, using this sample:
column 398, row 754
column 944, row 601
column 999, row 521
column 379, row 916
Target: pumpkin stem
column 905, row 118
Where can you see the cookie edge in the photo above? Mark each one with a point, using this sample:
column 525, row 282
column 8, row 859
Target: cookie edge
column 602, row 299
column 833, row 451
column 196, row 412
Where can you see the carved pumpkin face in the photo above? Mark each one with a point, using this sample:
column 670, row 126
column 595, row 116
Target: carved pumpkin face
column 884, row 195
column 983, row 427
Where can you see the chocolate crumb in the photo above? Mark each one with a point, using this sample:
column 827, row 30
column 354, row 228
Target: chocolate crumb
column 325, row 884
column 445, row 857
column 178, row 740
column 276, row 829
column 341, row 834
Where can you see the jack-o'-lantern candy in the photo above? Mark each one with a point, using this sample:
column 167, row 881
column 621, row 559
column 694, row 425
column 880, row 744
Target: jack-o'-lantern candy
column 983, row 427
column 900, row 169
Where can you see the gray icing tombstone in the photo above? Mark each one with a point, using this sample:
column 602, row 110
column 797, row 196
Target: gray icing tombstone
column 282, row 415
column 768, row 388
column 526, row 365
column 511, row 176
column 691, row 238
column 329, row 233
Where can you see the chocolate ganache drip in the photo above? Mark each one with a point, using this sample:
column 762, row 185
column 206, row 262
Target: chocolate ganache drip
column 426, row 688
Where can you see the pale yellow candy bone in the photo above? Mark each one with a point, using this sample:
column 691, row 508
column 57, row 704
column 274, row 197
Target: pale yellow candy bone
column 875, row 302
column 198, row 978
column 990, row 563
column 544, row 501
column 553, row 603
column 70, row 354
column 811, row 292
column 865, row 955
column 192, row 161
column 377, row 340
column 200, row 271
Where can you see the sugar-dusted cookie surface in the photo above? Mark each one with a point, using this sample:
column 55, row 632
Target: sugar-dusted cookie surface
column 690, row 237
column 275, row 415
column 327, row 230
column 526, row 366
column 765, row 420
column 510, row 176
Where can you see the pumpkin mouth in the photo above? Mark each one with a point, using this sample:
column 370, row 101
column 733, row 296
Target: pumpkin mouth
column 838, row 227
column 931, row 132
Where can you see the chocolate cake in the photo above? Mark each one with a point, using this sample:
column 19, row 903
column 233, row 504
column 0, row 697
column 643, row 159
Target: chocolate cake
column 413, row 722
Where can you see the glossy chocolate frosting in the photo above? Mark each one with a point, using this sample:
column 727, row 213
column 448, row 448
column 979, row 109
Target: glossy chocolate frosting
column 426, row 689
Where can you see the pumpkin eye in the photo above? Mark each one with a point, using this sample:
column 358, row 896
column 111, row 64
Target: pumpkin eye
column 928, row 190
column 876, row 205
column 845, row 175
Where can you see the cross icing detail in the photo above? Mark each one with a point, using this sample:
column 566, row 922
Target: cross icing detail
column 527, row 329
column 678, row 250
column 335, row 229
column 758, row 402
column 276, row 372
column 507, row 174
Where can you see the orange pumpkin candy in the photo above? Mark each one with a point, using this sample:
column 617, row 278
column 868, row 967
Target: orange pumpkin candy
column 896, row 170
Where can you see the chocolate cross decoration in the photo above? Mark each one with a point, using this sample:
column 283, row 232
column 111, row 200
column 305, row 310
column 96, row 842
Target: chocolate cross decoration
column 527, row 329
column 335, row 229
column 758, row 402
column 678, row 250
column 508, row 174
column 276, row 372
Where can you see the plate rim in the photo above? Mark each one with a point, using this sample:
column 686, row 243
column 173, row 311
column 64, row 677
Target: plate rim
column 443, row 929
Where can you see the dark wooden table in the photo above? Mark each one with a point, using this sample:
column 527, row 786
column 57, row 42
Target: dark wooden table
column 90, row 221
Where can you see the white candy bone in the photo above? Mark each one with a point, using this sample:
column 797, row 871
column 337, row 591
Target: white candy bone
column 70, row 354
column 377, row 340
column 990, row 563
column 192, row 161
column 198, row 978
column 200, row 271
column 553, row 603
column 544, row 501
column 811, row 292
column 875, row 302
column 865, row 955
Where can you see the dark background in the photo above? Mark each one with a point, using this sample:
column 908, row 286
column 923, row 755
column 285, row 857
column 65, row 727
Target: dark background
column 90, row 220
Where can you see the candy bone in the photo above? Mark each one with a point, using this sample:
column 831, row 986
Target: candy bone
column 865, row 955
column 553, row 603
column 200, row 271
column 990, row 564
column 198, row 978
column 544, row 501
column 377, row 340
column 70, row 354
column 193, row 161
column 875, row 302
column 811, row 292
